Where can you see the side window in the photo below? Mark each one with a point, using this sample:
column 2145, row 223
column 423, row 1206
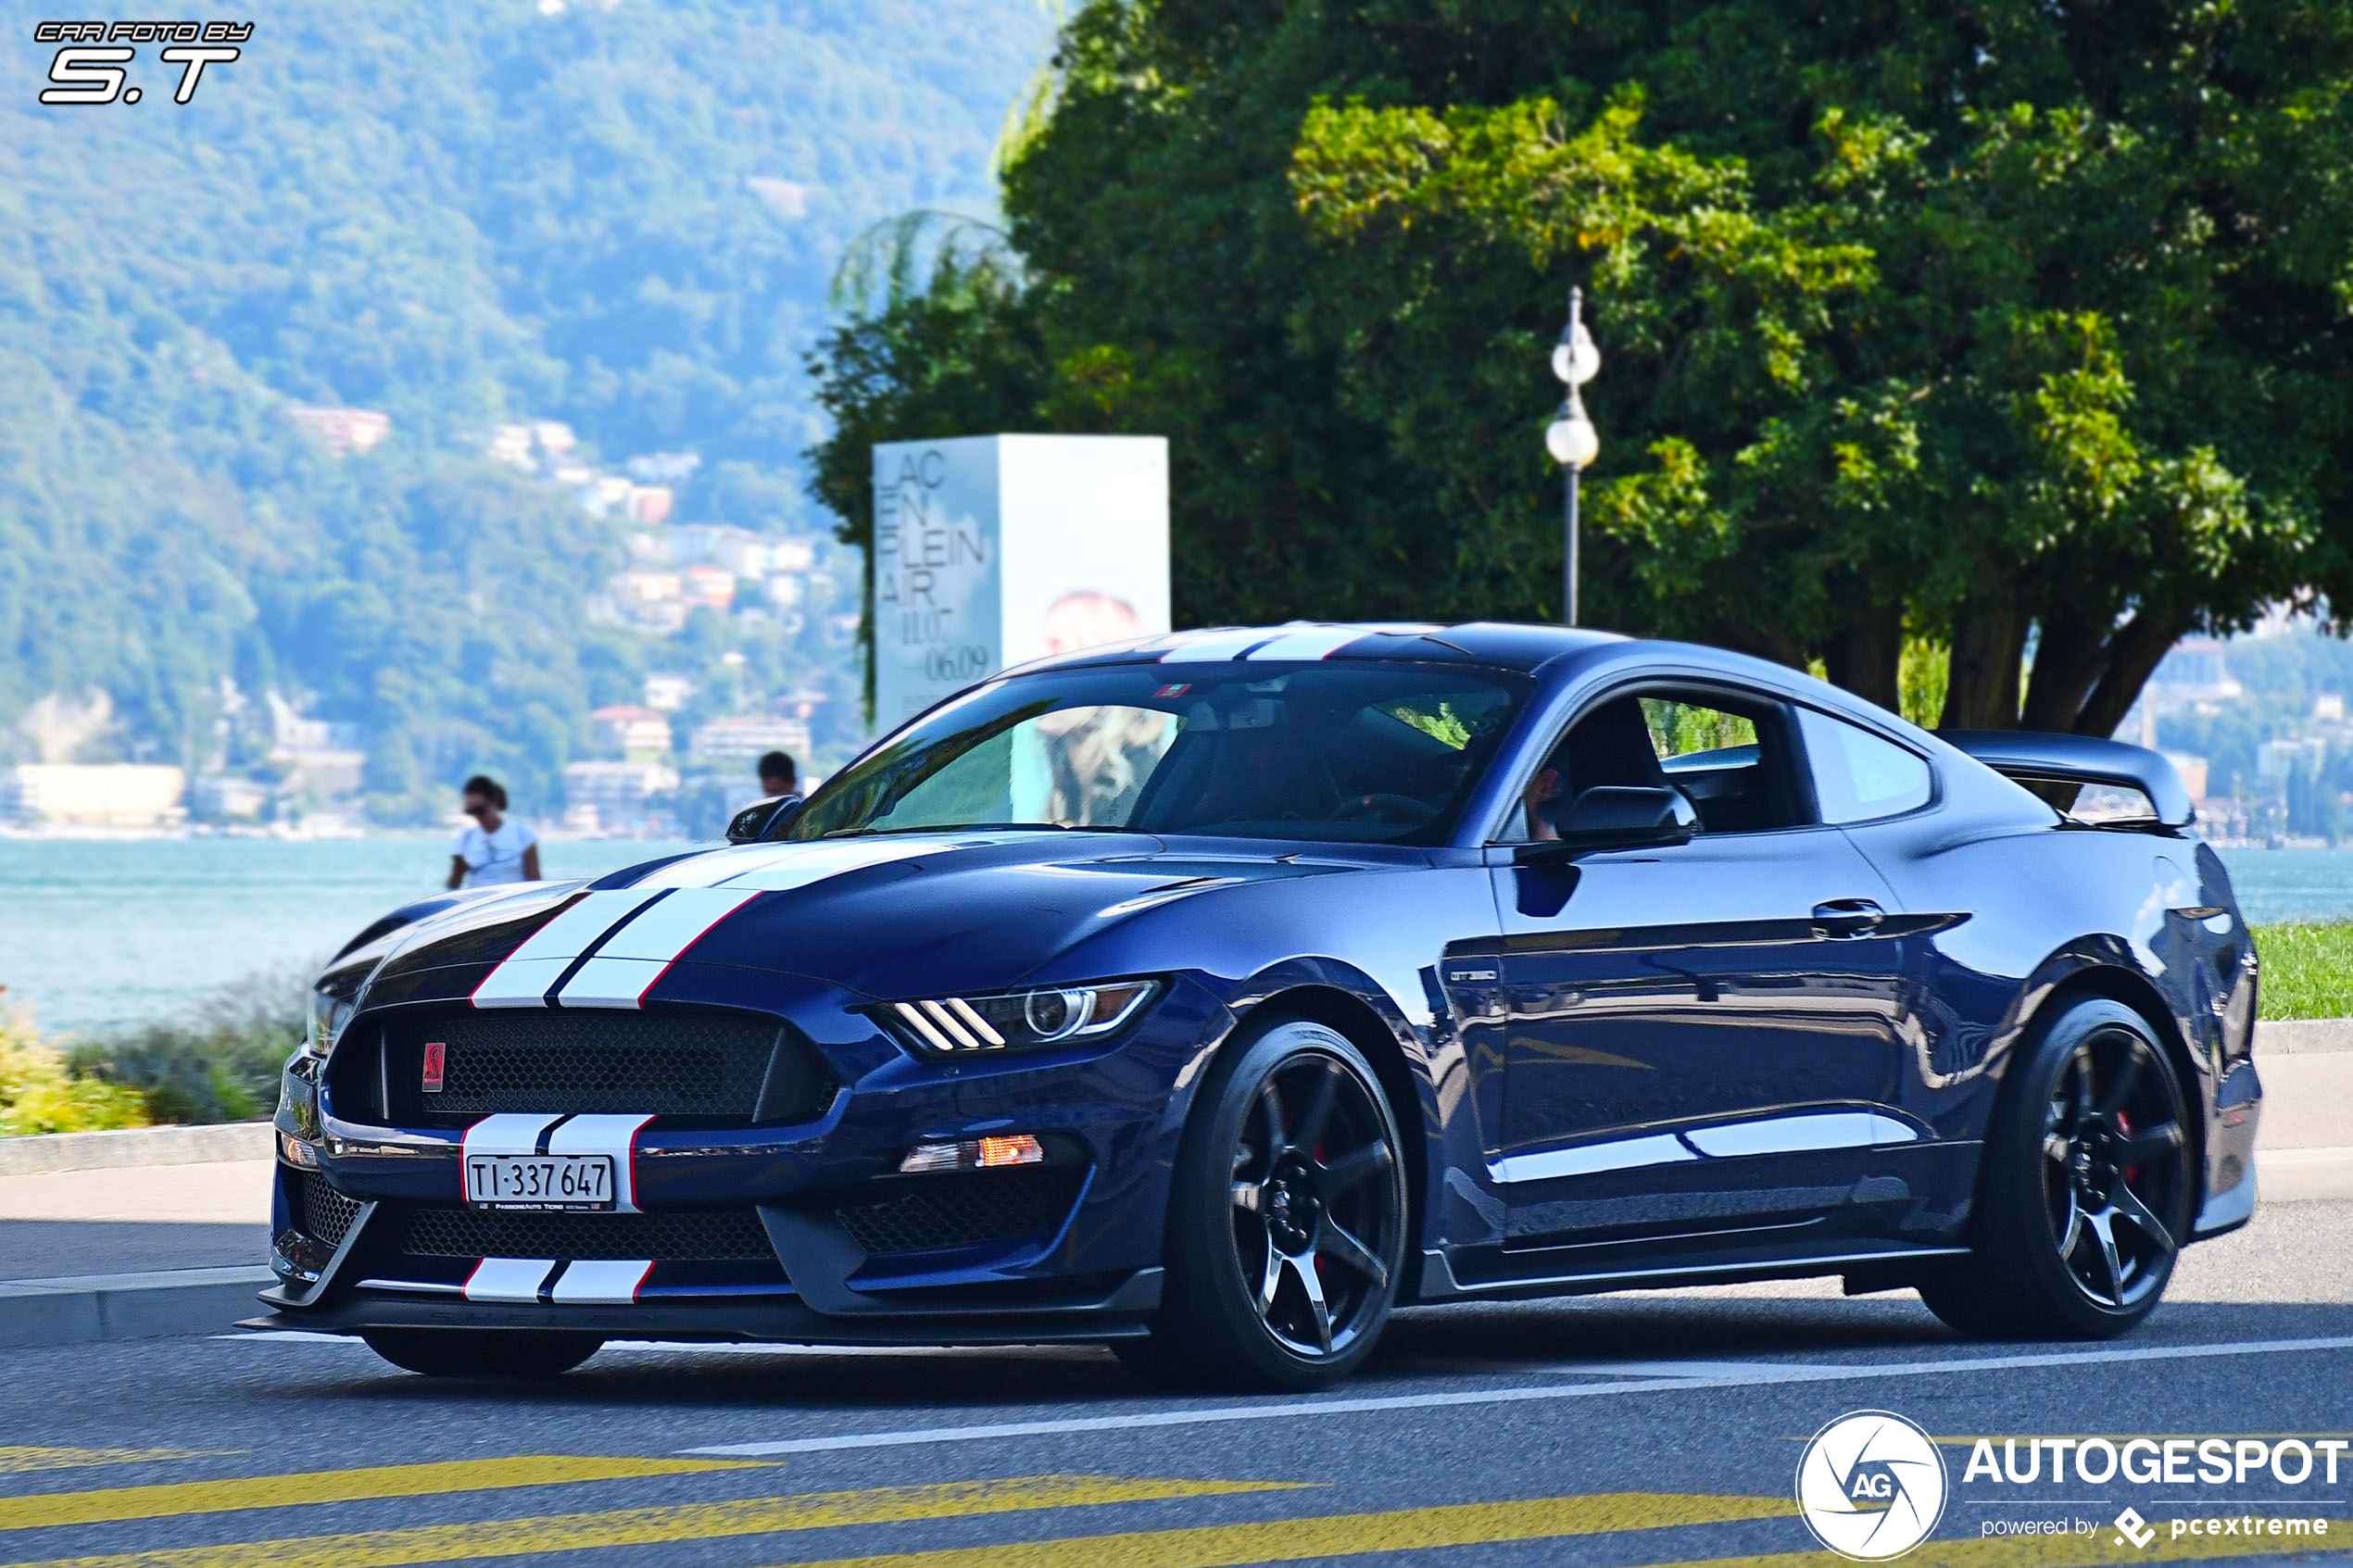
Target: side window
column 1732, row 764
column 1727, row 763
column 1858, row 776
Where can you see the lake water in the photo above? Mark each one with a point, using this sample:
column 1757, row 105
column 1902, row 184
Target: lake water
column 96, row 934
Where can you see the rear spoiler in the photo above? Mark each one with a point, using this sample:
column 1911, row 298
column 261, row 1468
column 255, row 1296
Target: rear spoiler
column 2036, row 757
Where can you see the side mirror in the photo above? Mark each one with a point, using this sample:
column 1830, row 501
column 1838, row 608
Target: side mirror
column 1622, row 817
column 762, row 818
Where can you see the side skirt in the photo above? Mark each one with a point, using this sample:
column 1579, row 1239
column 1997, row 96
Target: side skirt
column 1438, row 1283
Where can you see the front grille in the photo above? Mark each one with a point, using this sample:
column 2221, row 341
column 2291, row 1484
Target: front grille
column 326, row 1213
column 966, row 1211
column 677, row 1237
column 718, row 1067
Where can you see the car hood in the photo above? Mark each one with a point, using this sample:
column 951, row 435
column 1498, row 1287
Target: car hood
column 878, row 916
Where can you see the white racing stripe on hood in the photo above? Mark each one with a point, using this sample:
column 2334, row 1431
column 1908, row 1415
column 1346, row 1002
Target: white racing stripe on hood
column 687, row 899
column 626, row 966
column 523, row 981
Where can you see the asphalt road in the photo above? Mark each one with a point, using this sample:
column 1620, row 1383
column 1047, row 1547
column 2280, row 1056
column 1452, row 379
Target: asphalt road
column 1621, row 1430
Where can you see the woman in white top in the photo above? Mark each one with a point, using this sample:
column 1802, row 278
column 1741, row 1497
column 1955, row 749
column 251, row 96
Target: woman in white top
column 494, row 848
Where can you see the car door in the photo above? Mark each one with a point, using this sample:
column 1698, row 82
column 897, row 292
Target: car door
column 1698, row 1036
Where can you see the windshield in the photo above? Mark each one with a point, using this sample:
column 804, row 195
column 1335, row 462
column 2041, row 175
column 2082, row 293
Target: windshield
column 1355, row 753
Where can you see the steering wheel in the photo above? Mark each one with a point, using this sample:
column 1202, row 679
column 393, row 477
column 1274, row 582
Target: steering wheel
column 1379, row 808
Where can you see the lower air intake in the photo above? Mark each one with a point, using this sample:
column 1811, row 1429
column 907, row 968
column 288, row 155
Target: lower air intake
column 327, row 1215
column 981, row 1207
column 688, row 1236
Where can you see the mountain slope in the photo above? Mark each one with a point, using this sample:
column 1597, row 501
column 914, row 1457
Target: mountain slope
column 625, row 218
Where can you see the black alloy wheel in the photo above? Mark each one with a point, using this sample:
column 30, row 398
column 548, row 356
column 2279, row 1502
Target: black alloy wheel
column 1287, row 1219
column 2085, row 1190
column 2112, row 1142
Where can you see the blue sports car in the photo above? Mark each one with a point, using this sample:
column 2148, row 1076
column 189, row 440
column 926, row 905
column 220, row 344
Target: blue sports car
column 1213, row 994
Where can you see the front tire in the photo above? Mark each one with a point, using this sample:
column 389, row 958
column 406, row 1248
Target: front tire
column 1286, row 1221
column 476, row 1352
column 2085, row 1189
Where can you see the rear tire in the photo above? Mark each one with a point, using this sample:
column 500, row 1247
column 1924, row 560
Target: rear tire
column 2083, row 1188
column 1286, row 1221
column 480, row 1352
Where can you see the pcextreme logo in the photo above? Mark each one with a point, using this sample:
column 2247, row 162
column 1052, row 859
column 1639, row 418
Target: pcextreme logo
column 1871, row 1485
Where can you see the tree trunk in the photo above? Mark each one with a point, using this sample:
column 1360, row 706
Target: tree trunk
column 1863, row 655
column 1989, row 639
column 2133, row 654
column 2069, row 657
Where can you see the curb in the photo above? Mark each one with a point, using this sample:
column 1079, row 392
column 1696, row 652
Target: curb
column 40, row 1153
column 77, row 1309
column 2303, row 1176
column 2300, row 1037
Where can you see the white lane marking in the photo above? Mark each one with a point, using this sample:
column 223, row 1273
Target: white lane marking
column 604, row 1134
column 1745, row 1377
column 602, row 1281
column 508, row 1279
column 626, row 967
column 540, row 960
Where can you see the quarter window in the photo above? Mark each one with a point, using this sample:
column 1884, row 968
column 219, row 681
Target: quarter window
column 1858, row 776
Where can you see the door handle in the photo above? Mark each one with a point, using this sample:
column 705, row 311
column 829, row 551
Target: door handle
column 1843, row 918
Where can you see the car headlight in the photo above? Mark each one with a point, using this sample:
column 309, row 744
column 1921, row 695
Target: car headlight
column 1045, row 1015
column 329, row 1014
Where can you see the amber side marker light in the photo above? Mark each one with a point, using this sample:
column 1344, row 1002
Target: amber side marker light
column 973, row 1154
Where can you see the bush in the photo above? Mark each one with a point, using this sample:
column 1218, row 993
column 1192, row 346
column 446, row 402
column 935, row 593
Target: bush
column 220, row 1065
column 40, row 1091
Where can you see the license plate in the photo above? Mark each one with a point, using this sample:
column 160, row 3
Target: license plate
column 539, row 1180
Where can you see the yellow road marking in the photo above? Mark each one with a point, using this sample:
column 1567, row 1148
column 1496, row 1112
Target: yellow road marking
column 661, row 1526
column 1346, row 1535
column 16, row 1460
column 168, row 1500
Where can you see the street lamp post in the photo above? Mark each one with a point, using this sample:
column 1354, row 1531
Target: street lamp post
column 1571, row 439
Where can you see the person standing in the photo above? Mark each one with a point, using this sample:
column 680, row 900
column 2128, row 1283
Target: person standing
column 778, row 775
column 494, row 847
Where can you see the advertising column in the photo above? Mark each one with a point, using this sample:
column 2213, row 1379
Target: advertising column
column 993, row 550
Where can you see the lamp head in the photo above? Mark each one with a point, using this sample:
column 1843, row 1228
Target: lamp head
column 1571, row 438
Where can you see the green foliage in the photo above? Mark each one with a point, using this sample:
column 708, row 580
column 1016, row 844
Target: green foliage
column 1965, row 323
column 39, row 1093
column 2307, row 971
column 624, row 217
column 958, row 358
column 219, row 1065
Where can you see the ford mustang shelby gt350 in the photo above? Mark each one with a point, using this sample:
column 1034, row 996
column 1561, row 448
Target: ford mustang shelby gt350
column 1213, row 995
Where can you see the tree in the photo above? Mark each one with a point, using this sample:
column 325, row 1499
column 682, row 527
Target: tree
column 2012, row 326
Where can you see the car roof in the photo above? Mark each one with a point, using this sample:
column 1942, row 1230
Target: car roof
column 1493, row 644
column 1496, row 644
